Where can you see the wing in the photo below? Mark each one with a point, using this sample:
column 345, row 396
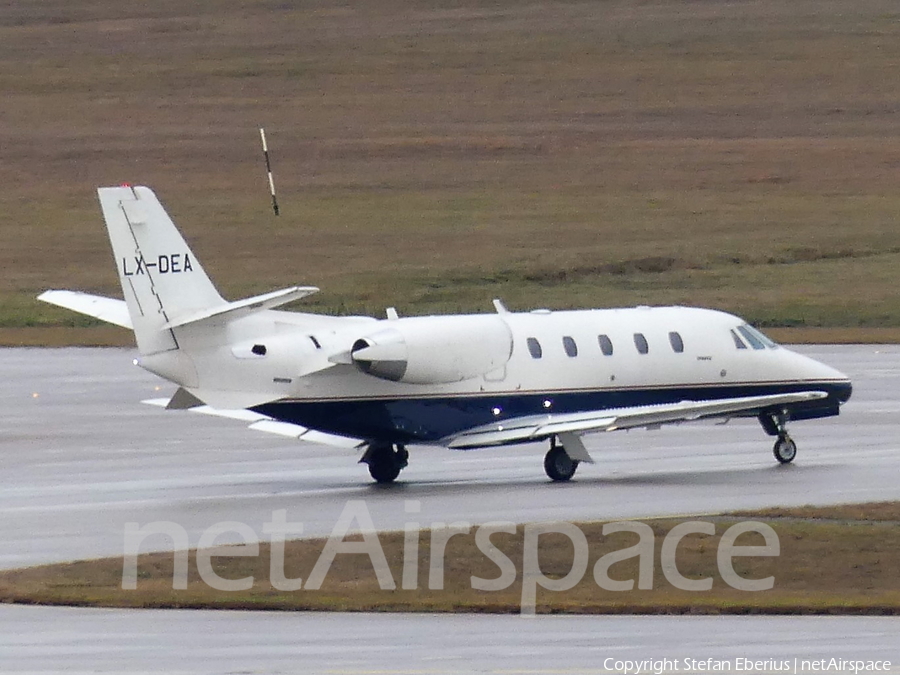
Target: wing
column 106, row 309
column 538, row 427
column 256, row 421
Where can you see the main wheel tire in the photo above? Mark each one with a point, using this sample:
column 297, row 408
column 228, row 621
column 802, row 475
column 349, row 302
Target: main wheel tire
column 401, row 456
column 385, row 464
column 558, row 465
column 785, row 449
column 384, row 470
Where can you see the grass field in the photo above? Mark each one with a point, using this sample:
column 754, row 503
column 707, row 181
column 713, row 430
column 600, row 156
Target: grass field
column 434, row 155
column 831, row 560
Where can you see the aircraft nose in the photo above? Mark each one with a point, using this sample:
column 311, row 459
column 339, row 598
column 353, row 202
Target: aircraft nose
column 843, row 390
column 836, row 383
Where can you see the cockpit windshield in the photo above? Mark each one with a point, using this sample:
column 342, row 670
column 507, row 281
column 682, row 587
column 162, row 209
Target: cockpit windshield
column 755, row 338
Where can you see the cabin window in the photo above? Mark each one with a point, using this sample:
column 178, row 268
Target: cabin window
column 641, row 343
column 259, row 350
column 534, row 347
column 570, row 346
column 676, row 342
column 737, row 340
column 606, row 345
column 754, row 341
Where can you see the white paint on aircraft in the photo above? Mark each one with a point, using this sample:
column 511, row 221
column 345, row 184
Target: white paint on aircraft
column 461, row 381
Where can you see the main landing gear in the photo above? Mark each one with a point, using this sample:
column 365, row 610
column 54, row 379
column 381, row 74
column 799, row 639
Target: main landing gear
column 557, row 463
column 775, row 424
column 385, row 462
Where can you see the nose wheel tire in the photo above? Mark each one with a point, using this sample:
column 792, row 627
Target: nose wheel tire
column 785, row 449
column 558, row 465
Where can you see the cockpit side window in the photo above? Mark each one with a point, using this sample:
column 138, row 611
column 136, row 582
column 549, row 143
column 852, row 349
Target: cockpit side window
column 754, row 341
column 737, row 340
column 771, row 344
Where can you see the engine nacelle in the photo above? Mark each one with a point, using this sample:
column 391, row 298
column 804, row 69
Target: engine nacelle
column 435, row 349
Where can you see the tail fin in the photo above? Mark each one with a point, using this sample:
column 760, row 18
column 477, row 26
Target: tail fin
column 160, row 276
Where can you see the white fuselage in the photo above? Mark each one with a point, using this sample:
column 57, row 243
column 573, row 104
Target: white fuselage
column 463, row 381
column 298, row 364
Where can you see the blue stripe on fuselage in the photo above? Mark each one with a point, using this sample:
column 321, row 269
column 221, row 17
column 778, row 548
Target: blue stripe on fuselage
column 410, row 420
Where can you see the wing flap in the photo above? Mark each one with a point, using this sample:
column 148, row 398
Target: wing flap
column 106, row 309
column 538, row 427
column 260, row 422
column 689, row 411
column 574, row 448
column 289, row 430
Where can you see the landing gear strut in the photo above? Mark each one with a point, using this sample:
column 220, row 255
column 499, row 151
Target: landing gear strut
column 775, row 424
column 557, row 463
column 385, row 463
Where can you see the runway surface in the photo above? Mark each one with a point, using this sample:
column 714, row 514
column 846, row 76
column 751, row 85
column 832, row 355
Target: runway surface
column 37, row 639
column 80, row 456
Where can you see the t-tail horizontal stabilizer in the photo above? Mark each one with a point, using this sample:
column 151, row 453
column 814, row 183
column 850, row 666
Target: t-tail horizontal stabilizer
column 242, row 307
column 109, row 310
column 163, row 282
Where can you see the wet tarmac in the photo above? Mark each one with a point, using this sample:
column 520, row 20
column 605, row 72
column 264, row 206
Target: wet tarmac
column 80, row 456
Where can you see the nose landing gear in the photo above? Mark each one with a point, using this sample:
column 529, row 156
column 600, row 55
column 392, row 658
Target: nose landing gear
column 775, row 424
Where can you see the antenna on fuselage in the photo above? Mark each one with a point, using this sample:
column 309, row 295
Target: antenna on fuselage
column 265, row 147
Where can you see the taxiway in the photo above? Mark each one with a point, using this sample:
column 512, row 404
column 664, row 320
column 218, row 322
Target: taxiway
column 80, row 456
column 72, row 640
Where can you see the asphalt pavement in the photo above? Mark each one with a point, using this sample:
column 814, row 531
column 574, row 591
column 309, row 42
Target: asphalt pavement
column 80, row 457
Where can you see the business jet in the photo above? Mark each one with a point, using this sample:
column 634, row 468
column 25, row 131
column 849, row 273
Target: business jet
column 460, row 381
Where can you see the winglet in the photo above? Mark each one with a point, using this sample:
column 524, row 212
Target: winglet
column 500, row 307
